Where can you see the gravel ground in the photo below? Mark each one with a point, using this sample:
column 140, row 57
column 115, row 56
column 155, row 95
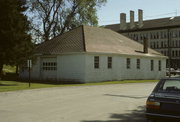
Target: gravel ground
column 103, row 103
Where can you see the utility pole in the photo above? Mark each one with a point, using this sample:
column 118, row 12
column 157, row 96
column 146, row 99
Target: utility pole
column 29, row 64
column 169, row 51
column 169, row 46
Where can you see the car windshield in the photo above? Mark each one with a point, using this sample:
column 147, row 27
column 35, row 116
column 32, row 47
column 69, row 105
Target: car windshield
column 171, row 86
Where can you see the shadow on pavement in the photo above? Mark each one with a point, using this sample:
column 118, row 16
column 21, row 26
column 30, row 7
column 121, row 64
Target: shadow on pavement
column 134, row 116
column 8, row 84
column 134, row 97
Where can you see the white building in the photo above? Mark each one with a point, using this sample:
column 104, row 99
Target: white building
column 92, row 54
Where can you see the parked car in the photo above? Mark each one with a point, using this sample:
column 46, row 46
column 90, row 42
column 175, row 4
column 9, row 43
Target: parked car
column 164, row 101
column 172, row 71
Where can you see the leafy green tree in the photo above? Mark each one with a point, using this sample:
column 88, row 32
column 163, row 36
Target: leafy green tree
column 15, row 42
column 53, row 17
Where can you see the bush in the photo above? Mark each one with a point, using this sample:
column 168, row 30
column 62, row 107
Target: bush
column 10, row 76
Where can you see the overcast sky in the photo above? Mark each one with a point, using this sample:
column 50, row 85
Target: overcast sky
column 109, row 14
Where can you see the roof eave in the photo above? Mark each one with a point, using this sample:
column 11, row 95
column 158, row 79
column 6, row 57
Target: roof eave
column 148, row 29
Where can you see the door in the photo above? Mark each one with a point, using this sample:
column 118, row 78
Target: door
column 49, row 68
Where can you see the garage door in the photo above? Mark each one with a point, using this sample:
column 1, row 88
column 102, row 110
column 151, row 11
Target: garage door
column 49, row 68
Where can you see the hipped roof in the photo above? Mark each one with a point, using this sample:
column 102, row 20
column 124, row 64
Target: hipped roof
column 93, row 39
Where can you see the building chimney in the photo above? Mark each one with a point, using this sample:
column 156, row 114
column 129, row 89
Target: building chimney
column 140, row 18
column 123, row 21
column 145, row 45
column 132, row 25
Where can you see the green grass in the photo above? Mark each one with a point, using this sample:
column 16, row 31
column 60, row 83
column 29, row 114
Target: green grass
column 15, row 85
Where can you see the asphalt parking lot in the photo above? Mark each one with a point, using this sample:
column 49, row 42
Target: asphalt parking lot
column 103, row 103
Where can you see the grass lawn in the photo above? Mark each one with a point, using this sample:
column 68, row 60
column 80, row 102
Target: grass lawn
column 15, row 85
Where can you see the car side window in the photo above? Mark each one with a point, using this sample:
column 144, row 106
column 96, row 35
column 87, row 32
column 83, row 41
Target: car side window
column 171, row 85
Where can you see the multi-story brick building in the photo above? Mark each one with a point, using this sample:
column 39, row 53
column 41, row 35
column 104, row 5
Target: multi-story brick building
column 163, row 34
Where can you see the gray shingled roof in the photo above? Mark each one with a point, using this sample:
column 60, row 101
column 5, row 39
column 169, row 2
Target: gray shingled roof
column 149, row 24
column 93, row 39
column 71, row 41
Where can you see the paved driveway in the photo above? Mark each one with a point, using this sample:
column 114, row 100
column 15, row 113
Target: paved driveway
column 105, row 103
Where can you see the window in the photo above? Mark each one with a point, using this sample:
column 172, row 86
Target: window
column 151, row 44
column 159, row 64
column 157, row 44
column 152, row 65
column 173, row 43
column 154, row 46
column 96, row 62
column 162, row 36
column 173, row 53
column 176, row 34
column 165, row 44
column 170, row 84
column 162, row 52
column 136, row 38
column 165, row 52
column 165, row 34
column 176, row 53
column 138, row 63
column 157, row 35
column 109, row 62
column 128, row 63
column 141, row 37
column 49, row 66
column 154, row 36
column 151, row 36
column 162, row 45
column 176, row 43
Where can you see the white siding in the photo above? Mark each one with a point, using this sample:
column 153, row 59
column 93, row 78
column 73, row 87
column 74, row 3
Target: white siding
column 34, row 72
column 71, row 67
column 80, row 68
column 119, row 70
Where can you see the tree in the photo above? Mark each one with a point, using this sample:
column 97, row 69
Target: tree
column 14, row 35
column 53, row 17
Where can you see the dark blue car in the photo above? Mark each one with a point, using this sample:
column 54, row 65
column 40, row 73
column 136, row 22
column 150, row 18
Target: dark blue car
column 164, row 101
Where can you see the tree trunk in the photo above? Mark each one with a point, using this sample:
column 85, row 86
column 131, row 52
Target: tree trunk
column 1, row 71
column 17, row 69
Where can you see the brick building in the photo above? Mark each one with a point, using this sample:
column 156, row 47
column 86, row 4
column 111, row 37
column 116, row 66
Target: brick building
column 163, row 34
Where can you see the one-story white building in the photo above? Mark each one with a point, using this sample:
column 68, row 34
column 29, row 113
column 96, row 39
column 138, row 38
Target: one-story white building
column 93, row 54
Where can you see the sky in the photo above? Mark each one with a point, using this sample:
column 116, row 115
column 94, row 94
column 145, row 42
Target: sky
column 152, row 9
